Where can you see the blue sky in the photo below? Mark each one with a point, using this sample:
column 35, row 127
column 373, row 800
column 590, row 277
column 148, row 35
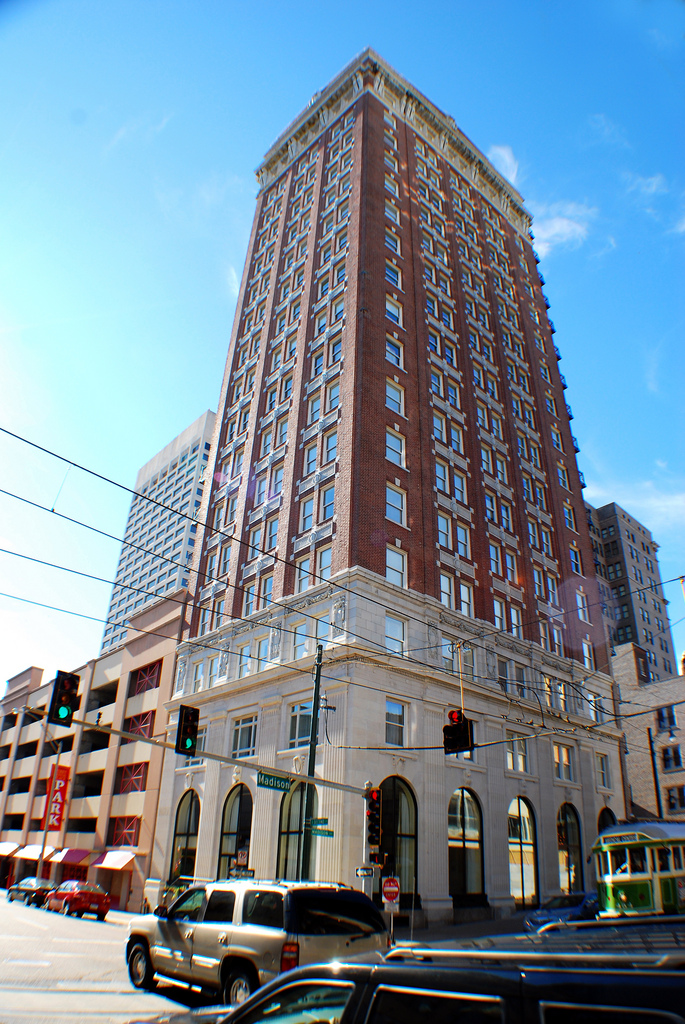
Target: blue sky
column 129, row 134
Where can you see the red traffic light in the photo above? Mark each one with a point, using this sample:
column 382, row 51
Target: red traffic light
column 373, row 816
column 458, row 735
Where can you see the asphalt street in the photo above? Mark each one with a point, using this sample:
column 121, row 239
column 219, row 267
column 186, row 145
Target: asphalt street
column 55, row 969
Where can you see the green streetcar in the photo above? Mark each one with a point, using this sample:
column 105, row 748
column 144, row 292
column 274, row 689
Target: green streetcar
column 641, row 868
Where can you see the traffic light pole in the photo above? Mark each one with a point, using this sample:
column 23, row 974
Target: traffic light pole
column 306, row 844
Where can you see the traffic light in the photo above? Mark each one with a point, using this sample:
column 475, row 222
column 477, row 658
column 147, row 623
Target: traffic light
column 373, row 816
column 65, row 699
column 458, row 735
column 186, row 731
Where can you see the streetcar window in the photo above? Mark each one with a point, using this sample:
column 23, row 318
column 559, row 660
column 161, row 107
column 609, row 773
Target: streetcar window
column 664, row 856
column 677, row 861
column 638, row 861
column 619, row 862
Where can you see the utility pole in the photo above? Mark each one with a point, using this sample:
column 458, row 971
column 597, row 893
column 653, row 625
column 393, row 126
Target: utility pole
column 306, row 844
column 657, row 791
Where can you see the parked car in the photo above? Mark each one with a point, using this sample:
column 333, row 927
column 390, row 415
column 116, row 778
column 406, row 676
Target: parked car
column 76, row 897
column 574, row 906
column 30, row 890
column 431, row 986
column 232, row 937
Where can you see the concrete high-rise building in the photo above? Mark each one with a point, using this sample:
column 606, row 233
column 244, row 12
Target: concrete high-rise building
column 158, row 543
column 633, row 605
column 394, row 478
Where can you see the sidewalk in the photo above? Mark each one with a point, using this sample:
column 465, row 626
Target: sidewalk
column 452, row 933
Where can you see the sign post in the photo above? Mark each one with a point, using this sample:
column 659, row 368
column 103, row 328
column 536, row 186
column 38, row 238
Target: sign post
column 390, row 888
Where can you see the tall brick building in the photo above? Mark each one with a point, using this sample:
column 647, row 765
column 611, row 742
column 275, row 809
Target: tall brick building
column 394, row 477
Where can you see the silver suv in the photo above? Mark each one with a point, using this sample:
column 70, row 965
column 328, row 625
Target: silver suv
column 232, row 937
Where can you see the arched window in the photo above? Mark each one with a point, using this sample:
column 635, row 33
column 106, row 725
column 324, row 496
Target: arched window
column 606, row 819
column 523, row 868
column 570, row 855
column 465, row 839
column 185, row 836
column 236, row 825
column 291, row 835
column 398, row 836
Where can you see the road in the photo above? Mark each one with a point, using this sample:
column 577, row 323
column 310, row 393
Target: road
column 56, row 969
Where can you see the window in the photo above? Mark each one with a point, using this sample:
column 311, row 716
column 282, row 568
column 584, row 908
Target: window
column 394, row 634
column 327, row 502
column 393, row 275
column 466, row 599
column 300, row 724
column 330, row 446
column 442, row 476
column 439, row 427
column 588, row 655
column 306, row 514
column 243, row 660
column 671, row 758
column 394, row 447
column 447, row 589
column 516, row 622
column 563, row 762
column 505, row 516
column 582, row 605
column 323, row 564
column 460, row 487
column 309, row 459
column 393, row 310
column 271, row 534
column 490, row 507
column 244, row 736
column 563, row 476
column 303, row 575
column 556, row 440
column 265, row 591
column 394, row 397
column 665, row 717
column 333, row 397
column 495, row 559
column 602, row 771
column 457, row 439
column 510, row 566
column 500, row 616
column 517, row 752
column 395, row 566
column 314, row 408
column 394, row 723
column 444, row 532
column 394, row 352
column 249, row 599
column 395, row 505
column 539, row 584
column 300, row 637
column 277, row 480
column 576, row 564
column 569, row 517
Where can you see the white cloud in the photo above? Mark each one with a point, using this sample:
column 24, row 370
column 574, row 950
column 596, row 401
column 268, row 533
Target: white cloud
column 233, row 282
column 680, row 226
column 504, row 160
column 563, row 224
column 660, row 510
column 656, row 185
column 605, row 131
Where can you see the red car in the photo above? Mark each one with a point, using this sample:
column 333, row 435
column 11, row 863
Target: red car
column 75, row 897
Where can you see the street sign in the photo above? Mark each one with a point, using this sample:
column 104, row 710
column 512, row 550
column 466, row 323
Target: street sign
column 364, row 872
column 319, row 821
column 391, row 890
column 323, row 832
column 273, row 781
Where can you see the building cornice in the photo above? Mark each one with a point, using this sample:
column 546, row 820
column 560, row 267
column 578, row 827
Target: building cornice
column 368, row 72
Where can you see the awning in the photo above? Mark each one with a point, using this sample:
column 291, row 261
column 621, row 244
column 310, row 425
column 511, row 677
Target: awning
column 7, row 848
column 114, row 859
column 71, row 855
column 32, row 852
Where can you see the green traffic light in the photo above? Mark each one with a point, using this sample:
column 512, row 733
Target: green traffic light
column 63, row 712
column 189, row 743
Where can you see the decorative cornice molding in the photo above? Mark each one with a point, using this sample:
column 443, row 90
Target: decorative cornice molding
column 368, row 72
